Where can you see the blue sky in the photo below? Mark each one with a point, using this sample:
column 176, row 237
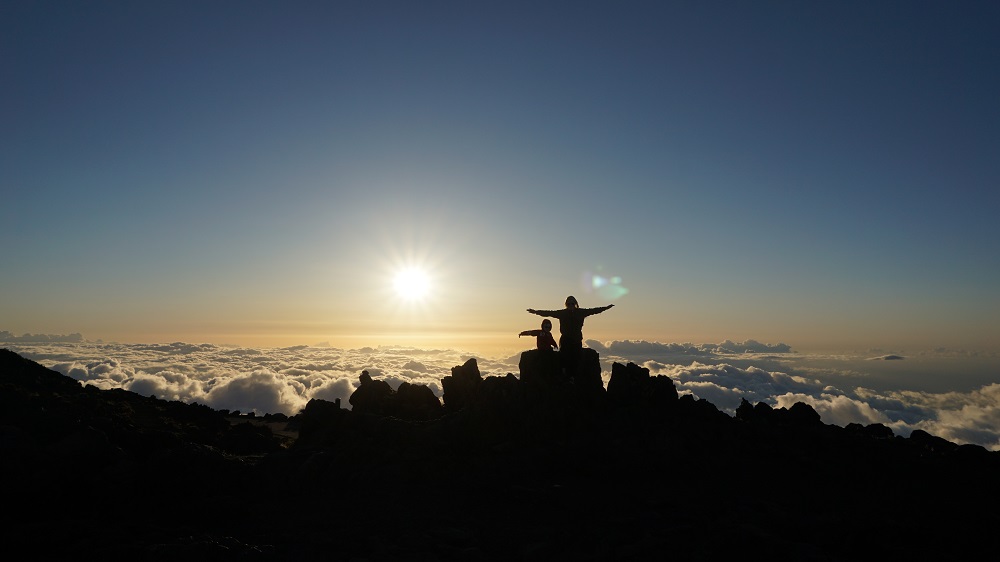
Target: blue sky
column 822, row 174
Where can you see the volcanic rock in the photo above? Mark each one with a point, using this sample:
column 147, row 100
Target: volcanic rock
column 538, row 467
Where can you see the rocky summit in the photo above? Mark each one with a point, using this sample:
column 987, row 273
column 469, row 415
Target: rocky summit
column 542, row 465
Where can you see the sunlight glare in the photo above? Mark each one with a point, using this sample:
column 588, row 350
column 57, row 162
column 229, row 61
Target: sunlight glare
column 411, row 284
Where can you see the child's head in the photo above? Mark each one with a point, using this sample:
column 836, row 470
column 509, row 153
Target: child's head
column 547, row 325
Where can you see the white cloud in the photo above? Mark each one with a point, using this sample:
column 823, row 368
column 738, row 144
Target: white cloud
column 836, row 409
column 283, row 380
column 971, row 416
column 656, row 349
column 262, row 392
column 333, row 390
column 6, row 336
column 962, row 417
column 108, row 369
column 156, row 385
column 752, row 383
column 415, row 366
column 260, row 380
column 72, row 369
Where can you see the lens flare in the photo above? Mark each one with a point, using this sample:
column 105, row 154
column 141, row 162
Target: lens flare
column 609, row 288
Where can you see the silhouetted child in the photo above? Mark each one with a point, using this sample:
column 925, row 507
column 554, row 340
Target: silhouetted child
column 543, row 337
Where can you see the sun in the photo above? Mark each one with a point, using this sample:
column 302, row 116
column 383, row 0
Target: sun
column 411, row 284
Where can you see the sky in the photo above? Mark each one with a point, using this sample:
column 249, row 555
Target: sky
column 258, row 173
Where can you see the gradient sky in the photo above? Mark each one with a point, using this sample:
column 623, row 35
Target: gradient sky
column 821, row 174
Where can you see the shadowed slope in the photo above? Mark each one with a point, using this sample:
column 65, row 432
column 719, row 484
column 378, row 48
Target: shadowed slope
column 532, row 467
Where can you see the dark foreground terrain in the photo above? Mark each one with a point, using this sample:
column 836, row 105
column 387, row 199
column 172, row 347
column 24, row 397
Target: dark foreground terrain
column 535, row 467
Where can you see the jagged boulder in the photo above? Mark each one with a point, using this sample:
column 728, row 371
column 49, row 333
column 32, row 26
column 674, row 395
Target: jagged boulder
column 371, row 396
column 977, row 453
column 754, row 413
column 627, row 383
column 541, row 367
column 931, row 443
column 588, row 372
column 545, row 366
column 762, row 411
column 320, row 423
column 698, row 410
column 870, row 431
column 461, row 386
column 803, row 414
column 631, row 386
column 799, row 414
column 415, row 402
column 504, row 392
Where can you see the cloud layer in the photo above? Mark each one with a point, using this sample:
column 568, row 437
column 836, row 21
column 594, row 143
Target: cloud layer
column 8, row 337
column 843, row 390
column 722, row 375
column 245, row 379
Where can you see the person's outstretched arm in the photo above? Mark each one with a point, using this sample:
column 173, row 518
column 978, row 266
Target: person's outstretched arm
column 549, row 313
column 597, row 310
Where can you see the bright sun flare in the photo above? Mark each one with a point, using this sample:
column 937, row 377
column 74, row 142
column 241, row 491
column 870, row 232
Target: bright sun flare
column 411, row 284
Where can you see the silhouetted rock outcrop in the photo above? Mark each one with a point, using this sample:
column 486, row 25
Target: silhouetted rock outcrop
column 541, row 367
column 320, row 423
column 588, row 372
column 803, row 414
column 371, row 397
column 799, row 414
column 546, row 368
column 408, row 402
column 932, row 443
column 745, row 411
column 461, row 386
column 416, row 402
column 631, row 387
column 872, row 431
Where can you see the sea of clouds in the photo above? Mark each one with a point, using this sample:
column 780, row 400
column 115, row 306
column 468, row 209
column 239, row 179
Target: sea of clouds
column 873, row 388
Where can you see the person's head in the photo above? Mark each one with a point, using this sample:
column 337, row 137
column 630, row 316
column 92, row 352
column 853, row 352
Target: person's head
column 571, row 302
column 547, row 325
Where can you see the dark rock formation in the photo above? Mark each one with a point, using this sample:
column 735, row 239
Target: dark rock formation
column 932, row 443
column 461, row 385
column 416, row 402
column 409, row 401
column 872, row 431
column 547, row 368
column 320, row 423
column 541, row 367
column 800, row 414
column 631, row 387
column 745, row 411
column 544, row 466
column 803, row 414
column 588, row 372
column 371, row 397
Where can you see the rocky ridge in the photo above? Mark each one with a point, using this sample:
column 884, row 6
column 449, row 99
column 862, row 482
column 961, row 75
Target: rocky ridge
column 529, row 467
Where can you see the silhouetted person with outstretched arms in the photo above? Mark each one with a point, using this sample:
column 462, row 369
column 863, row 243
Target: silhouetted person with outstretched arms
column 543, row 337
column 571, row 329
